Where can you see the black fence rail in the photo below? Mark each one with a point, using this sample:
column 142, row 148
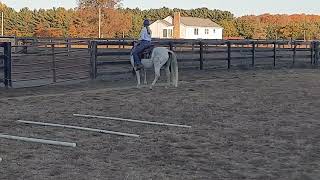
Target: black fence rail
column 210, row 53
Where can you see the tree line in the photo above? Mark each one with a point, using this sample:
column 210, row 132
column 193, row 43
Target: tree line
column 120, row 22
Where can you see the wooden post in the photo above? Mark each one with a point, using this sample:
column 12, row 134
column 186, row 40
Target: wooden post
column 53, row 63
column 171, row 46
column 68, row 46
column 89, row 46
column 294, row 52
column 229, row 54
column 93, row 59
column 312, row 52
column 253, row 53
column 201, row 55
column 316, row 53
column 25, row 50
column 274, row 53
column 7, row 64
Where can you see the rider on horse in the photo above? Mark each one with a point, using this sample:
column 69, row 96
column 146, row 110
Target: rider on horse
column 145, row 42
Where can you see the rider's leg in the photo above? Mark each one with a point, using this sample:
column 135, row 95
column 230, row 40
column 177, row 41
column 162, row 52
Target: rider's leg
column 136, row 54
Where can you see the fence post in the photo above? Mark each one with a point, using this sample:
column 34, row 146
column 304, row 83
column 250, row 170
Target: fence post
column 25, row 49
column 171, row 46
column 274, row 53
column 7, row 64
column 68, row 46
column 93, row 59
column 316, row 46
column 53, row 63
column 201, row 55
column 312, row 52
column 89, row 46
column 253, row 53
column 229, row 54
column 294, row 52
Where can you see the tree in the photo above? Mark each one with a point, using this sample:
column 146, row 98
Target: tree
column 116, row 21
column 229, row 28
column 98, row 3
column 72, row 31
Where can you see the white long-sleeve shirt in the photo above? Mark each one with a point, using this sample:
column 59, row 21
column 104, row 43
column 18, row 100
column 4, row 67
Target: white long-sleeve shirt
column 144, row 35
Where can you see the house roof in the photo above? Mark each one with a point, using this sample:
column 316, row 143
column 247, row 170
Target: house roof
column 198, row 22
column 166, row 22
column 193, row 21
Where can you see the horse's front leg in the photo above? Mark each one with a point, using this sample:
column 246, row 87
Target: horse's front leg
column 138, row 79
column 145, row 77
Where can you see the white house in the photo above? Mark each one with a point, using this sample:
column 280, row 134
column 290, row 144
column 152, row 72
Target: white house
column 186, row 28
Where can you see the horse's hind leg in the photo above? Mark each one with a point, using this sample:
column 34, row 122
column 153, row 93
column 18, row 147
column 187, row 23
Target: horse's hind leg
column 168, row 76
column 156, row 75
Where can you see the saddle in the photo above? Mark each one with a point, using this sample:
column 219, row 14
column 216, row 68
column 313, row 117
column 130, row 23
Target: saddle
column 147, row 53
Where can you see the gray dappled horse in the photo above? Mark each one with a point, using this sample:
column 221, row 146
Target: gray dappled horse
column 160, row 57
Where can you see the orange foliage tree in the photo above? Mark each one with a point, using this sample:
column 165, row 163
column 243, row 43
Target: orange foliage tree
column 113, row 23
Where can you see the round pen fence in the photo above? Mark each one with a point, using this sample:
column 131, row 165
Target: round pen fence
column 45, row 61
column 211, row 54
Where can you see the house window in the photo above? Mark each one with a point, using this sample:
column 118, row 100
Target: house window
column 167, row 33
column 206, row 31
column 196, row 31
column 170, row 33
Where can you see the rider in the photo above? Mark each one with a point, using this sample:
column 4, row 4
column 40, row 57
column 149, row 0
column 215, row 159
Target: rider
column 145, row 42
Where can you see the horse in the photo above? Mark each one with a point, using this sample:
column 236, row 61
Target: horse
column 160, row 57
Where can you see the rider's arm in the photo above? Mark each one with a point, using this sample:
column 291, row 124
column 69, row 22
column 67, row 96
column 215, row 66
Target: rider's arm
column 145, row 35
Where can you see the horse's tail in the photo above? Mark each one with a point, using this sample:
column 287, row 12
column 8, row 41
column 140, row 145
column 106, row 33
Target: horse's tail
column 174, row 68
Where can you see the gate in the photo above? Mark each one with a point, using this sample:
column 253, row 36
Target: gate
column 5, row 64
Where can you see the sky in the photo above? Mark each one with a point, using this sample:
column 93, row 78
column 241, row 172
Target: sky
column 237, row 7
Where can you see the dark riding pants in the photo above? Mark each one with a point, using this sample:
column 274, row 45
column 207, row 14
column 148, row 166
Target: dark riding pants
column 139, row 49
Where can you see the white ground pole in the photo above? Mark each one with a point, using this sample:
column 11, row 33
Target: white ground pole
column 131, row 120
column 43, row 141
column 79, row 128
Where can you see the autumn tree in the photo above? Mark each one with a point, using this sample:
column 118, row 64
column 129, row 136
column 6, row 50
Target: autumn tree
column 116, row 21
column 229, row 28
column 73, row 31
column 98, row 3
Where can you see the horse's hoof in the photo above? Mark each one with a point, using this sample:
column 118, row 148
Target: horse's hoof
column 151, row 87
column 138, row 86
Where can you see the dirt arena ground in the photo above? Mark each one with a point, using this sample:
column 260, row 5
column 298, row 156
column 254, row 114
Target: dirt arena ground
column 261, row 124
